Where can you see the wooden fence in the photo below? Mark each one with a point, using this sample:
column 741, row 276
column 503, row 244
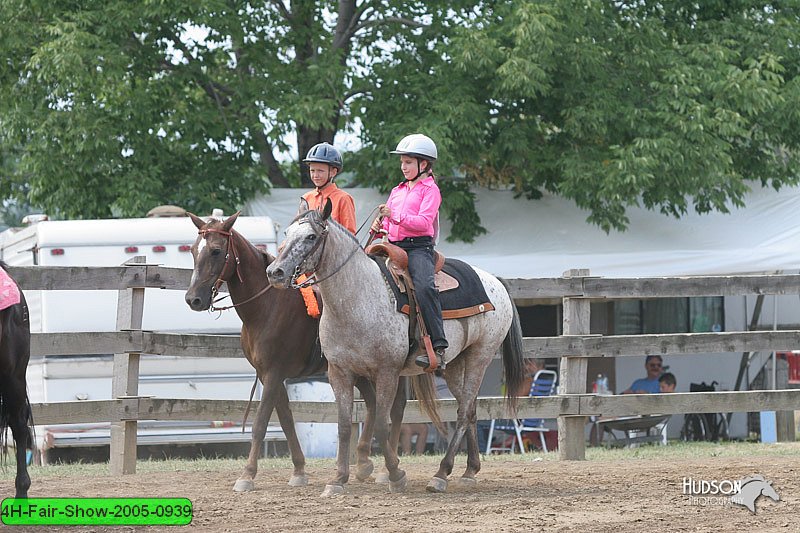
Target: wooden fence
column 576, row 289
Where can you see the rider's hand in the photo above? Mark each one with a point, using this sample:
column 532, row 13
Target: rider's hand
column 377, row 226
column 384, row 210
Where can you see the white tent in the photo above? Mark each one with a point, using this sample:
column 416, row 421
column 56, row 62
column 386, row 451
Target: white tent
column 544, row 238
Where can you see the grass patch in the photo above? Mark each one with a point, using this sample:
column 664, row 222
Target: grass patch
column 675, row 450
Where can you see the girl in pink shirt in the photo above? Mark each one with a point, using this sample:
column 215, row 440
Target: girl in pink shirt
column 410, row 219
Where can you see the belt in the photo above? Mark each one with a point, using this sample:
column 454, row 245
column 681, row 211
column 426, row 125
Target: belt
column 424, row 239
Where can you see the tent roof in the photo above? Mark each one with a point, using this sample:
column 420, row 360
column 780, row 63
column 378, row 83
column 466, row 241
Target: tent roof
column 544, row 238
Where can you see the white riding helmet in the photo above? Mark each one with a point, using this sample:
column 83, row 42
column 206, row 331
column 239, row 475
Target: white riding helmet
column 417, row 145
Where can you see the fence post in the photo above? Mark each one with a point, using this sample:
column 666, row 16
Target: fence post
column 125, row 378
column 572, row 375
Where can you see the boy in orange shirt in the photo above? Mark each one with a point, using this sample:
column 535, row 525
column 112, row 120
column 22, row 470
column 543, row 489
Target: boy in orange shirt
column 324, row 163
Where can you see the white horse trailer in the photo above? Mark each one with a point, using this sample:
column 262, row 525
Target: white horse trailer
column 111, row 242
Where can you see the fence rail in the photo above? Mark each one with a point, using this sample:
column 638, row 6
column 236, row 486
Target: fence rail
column 201, row 345
column 576, row 289
column 161, row 277
column 661, row 344
column 577, row 405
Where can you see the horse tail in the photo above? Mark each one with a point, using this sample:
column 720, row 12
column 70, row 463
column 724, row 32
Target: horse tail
column 513, row 354
column 424, row 390
column 30, row 424
column 5, row 423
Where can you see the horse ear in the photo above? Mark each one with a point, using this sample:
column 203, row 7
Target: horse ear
column 199, row 222
column 326, row 212
column 303, row 206
column 228, row 224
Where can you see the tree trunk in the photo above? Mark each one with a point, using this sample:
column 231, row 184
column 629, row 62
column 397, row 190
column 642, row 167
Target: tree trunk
column 274, row 171
column 308, row 137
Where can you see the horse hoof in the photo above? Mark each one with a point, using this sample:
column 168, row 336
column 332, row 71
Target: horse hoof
column 437, row 484
column 382, row 477
column 399, row 485
column 365, row 470
column 298, row 481
column 467, row 481
column 244, row 485
column 332, row 490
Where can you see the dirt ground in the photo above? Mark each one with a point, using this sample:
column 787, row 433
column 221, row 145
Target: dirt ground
column 513, row 494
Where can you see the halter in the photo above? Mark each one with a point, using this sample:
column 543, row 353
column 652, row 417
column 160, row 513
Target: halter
column 231, row 251
column 312, row 277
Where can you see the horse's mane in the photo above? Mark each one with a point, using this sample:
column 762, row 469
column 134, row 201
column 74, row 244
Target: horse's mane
column 300, row 215
column 345, row 231
column 265, row 256
column 3, row 265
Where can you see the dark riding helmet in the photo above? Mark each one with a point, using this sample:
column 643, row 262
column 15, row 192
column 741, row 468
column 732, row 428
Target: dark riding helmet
column 324, row 153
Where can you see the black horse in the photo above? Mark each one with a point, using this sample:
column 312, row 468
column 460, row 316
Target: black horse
column 15, row 408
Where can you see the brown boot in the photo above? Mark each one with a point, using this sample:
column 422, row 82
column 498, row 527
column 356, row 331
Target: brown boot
column 423, row 361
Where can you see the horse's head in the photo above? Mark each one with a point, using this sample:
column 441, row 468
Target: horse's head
column 213, row 263
column 752, row 488
column 301, row 250
column 769, row 491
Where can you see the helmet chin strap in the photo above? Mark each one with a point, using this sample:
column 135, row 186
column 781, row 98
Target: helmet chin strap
column 420, row 172
column 329, row 180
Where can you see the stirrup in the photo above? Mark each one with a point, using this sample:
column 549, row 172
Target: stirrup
column 425, row 363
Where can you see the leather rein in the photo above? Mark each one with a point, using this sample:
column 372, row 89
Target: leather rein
column 224, row 276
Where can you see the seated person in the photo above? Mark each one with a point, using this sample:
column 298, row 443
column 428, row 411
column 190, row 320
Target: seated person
column 407, row 432
column 667, row 382
column 648, row 385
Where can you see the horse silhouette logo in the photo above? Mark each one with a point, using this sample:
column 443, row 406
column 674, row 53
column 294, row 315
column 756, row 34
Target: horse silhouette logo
column 752, row 488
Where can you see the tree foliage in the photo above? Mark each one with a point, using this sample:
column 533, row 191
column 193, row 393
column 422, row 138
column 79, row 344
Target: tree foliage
column 669, row 105
column 112, row 107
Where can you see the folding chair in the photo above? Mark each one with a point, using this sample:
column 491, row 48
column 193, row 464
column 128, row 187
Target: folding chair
column 544, row 384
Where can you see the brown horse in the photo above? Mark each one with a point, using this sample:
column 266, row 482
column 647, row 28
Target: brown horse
column 15, row 408
column 278, row 338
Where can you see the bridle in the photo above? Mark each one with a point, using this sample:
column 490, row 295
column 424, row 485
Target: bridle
column 311, row 278
column 224, row 276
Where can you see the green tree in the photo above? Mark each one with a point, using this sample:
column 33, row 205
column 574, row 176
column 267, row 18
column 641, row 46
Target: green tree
column 421, row 90
column 110, row 108
column 13, row 207
column 117, row 106
column 670, row 105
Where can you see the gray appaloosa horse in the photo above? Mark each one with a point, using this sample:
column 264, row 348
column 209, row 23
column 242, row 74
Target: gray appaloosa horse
column 362, row 334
